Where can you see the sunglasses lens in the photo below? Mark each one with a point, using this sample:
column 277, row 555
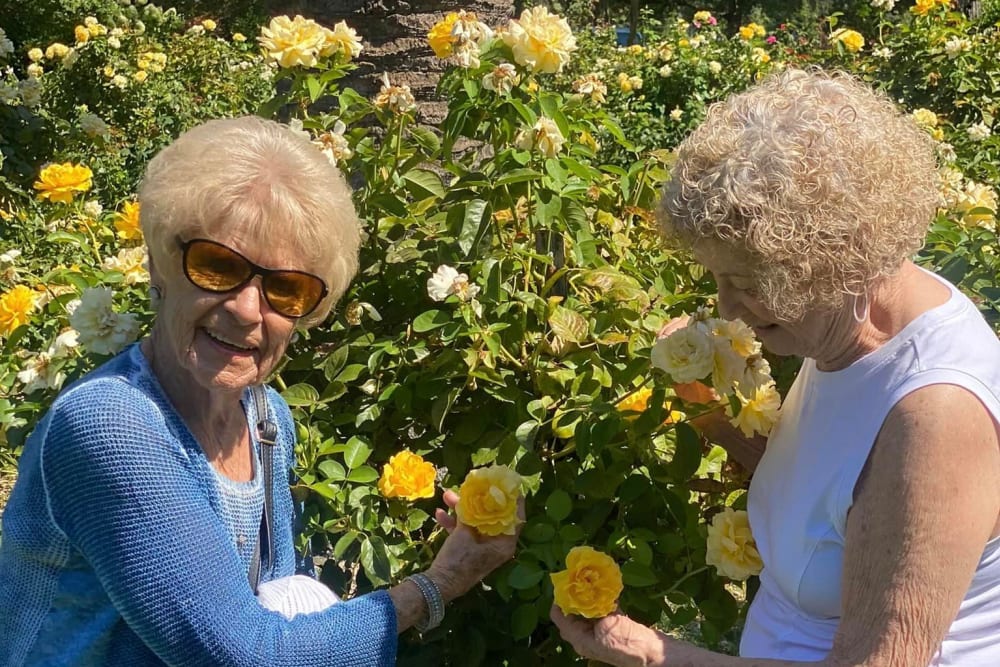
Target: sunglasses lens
column 292, row 293
column 214, row 267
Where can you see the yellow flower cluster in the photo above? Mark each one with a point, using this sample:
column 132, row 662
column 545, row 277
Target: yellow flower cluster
column 751, row 30
column 929, row 120
column 925, row 7
column 407, row 475
column 540, row 41
column 628, row 83
column 61, row 182
column 301, row 42
column 15, row 308
column 56, row 51
column 978, row 204
column 731, row 547
column 729, row 353
column 397, row 99
column 590, row 584
column 852, row 40
column 703, row 16
column 460, row 35
column 591, row 85
column 152, row 61
column 488, row 500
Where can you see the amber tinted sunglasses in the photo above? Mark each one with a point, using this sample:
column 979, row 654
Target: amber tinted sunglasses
column 217, row 268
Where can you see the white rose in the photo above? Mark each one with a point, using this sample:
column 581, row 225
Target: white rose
column 685, row 355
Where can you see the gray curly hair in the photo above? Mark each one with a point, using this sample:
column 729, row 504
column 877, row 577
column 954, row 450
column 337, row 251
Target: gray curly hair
column 824, row 182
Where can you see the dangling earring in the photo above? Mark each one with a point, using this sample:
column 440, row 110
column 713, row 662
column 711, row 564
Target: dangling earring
column 864, row 308
column 155, row 297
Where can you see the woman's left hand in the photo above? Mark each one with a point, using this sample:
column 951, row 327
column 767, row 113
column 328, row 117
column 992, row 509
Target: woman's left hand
column 615, row 639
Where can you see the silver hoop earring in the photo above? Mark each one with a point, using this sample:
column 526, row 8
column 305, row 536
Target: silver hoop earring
column 864, row 308
column 155, row 297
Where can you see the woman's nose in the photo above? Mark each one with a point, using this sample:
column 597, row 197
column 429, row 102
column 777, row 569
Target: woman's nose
column 247, row 303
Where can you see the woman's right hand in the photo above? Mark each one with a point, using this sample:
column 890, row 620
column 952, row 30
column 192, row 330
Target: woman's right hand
column 467, row 557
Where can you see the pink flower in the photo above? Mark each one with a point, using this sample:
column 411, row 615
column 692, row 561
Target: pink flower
column 712, row 21
column 771, row 39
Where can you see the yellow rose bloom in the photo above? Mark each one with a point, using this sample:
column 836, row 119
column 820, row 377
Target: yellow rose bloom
column 731, row 547
column 59, row 182
column 542, row 42
column 292, row 42
column 35, row 54
column 15, row 308
column 488, row 500
column 590, row 584
column 407, row 475
column 751, row 30
column 56, row 50
column 635, row 403
column 925, row 118
column 759, row 411
column 141, row 75
column 208, row 24
column 736, row 331
column 82, row 34
column 703, row 16
column 343, row 40
column 852, row 40
column 924, row 7
column 978, row 204
column 239, row 37
column 440, row 37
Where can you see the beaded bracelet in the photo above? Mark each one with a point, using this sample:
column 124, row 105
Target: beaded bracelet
column 433, row 599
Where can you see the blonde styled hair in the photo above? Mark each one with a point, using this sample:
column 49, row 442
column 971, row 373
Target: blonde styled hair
column 824, row 182
column 267, row 179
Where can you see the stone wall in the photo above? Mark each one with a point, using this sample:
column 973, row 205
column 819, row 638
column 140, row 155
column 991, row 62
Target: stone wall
column 395, row 39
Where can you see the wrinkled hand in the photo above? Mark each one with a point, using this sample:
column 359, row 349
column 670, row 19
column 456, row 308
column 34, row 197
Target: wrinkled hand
column 615, row 639
column 466, row 557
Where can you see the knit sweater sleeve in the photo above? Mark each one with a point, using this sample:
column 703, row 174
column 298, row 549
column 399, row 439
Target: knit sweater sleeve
column 121, row 488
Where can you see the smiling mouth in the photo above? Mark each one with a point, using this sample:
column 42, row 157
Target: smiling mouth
column 228, row 344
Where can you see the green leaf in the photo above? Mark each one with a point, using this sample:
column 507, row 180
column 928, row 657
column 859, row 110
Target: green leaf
column 301, row 394
column 356, row 452
column 518, row 176
column 568, row 324
column 333, row 470
column 637, row 575
column 474, row 224
column 523, row 621
column 525, row 575
column 363, row 475
column 558, row 505
column 687, row 455
column 351, row 373
column 346, row 540
column 335, row 361
column 525, row 433
column 426, row 139
column 431, row 319
column 375, row 561
column 423, row 183
column 441, row 407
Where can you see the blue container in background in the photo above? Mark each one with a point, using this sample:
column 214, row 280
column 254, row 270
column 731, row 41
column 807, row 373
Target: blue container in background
column 622, row 33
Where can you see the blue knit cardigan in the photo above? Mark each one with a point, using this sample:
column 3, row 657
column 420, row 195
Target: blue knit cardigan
column 118, row 545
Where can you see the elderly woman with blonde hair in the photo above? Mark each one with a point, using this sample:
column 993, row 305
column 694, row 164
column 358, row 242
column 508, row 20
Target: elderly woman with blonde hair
column 152, row 499
column 875, row 500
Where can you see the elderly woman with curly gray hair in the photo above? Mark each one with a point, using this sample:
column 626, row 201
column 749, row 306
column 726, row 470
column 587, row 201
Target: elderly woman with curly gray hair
column 875, row 500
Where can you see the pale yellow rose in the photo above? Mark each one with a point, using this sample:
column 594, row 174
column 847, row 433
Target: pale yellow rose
column 592, row 86
column 293, row 42
column 56, row 50
column 685, row 355
column 758, row 412
column 544, row 137
column 978, row 204
column 731, row 547
column 736, row 331
column 924, row 7
column 925, row 118
column 590, row 584
column 488, row 500
column 35, row 54
column 209, row 25
column 131, row 263
column 542, row 42
column 407, row 475
column 343, row 40
column 727, row 366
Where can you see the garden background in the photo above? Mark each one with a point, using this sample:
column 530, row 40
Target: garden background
column 536, row 179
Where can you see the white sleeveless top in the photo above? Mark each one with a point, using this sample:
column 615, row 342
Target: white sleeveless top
column 804, row 486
